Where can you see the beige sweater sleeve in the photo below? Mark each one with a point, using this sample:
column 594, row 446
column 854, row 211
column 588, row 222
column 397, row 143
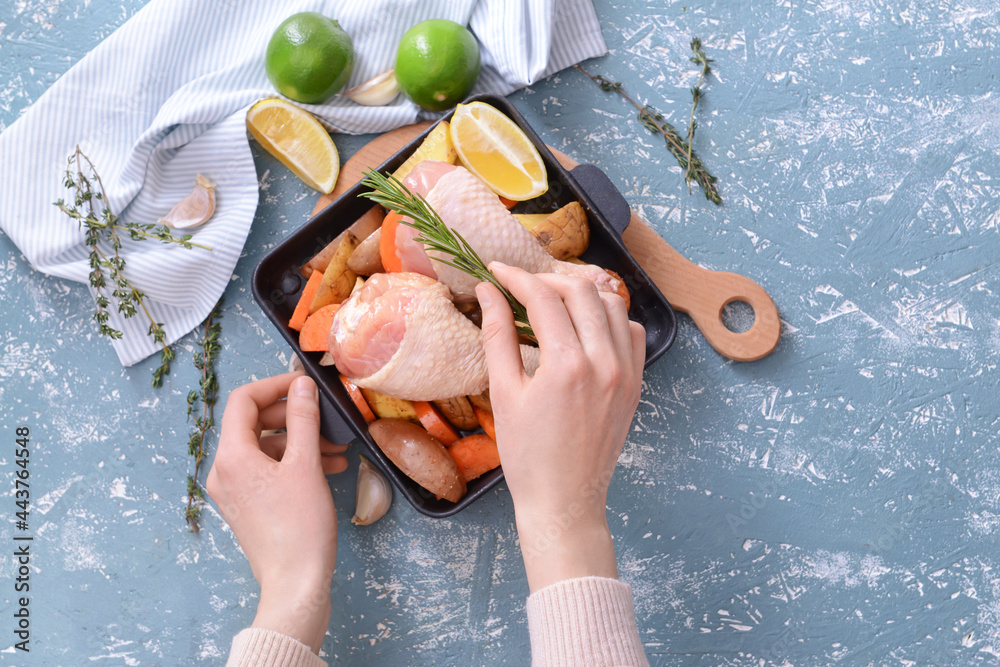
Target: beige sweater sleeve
column 586, row 621
column 257, row 647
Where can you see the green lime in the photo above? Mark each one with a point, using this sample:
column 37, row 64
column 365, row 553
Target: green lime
column 309, row 57
column 437, row 63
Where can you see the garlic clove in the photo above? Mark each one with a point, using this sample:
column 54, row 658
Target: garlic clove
column 374, row 495
column 375, row 92
column 195, row 209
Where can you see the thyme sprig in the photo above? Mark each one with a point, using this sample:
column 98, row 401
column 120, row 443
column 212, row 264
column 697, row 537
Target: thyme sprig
column 90, row 209
column 699, row 58
column 653, row 121
column 390, row 192
column 202, row 401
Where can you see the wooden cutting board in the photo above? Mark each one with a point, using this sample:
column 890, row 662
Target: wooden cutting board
column 689, row 288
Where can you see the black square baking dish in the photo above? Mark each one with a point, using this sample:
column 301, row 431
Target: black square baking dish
column 278, row 283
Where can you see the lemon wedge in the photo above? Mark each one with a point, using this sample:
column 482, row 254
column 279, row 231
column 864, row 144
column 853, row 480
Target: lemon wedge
column 494, row 148
column 296, row 138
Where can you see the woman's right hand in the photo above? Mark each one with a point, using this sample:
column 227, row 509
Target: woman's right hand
column 561, row 431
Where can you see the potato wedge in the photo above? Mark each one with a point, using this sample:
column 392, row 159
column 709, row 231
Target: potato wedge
column 565, row 233
column 366, row 259
column 459, row 412
column 362, row 228
column 436, row 146
column 338, row 280
column 531, row 220
column 389, row 407
column 482, row 401
column 419, row 456
column 358, row 284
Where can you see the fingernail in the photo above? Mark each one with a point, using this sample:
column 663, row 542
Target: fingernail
column 484, row 296
column 304, row 386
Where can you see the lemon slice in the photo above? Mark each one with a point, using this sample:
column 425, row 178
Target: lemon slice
column 296, row 138
column 494, row 148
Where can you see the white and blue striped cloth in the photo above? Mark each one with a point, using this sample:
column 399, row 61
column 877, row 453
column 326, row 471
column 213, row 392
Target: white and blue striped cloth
column 165, row 98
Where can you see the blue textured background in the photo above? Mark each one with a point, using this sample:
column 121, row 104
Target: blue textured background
column 835, row 502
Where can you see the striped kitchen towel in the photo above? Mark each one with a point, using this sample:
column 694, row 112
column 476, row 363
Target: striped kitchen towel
column 165, row 97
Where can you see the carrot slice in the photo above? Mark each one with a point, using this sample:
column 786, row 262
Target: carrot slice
column 485, row 418
column 358, row 399
column 475, row 455
column 387, row 243
column 434, row 423
column 315, row 333
column 622, row 290
column 302, row 307
column 509, row 203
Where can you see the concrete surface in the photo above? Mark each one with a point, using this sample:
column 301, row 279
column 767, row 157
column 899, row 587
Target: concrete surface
column 834, row 503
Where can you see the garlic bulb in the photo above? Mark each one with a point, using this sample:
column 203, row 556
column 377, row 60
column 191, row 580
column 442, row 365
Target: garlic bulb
column 374, row 494
column 375, row 92
column 194, row 209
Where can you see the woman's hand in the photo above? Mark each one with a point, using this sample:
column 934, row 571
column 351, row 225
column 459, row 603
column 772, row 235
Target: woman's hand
column 560, row 432
column 274, row 494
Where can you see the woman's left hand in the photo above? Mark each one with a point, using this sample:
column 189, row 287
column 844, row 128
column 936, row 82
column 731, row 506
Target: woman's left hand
column 274, row 494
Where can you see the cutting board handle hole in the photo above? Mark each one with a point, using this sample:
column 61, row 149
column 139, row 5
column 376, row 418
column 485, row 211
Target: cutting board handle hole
column 738, row 316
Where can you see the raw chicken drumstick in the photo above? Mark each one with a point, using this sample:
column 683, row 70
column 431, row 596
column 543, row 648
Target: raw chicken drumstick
column 400, row 334
column 466, row 205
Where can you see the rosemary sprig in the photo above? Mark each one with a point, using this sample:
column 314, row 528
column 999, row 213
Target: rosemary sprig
column 654, row 122
column 205, row 397
column 699, row 58
column 90, row 210
column 390, row 192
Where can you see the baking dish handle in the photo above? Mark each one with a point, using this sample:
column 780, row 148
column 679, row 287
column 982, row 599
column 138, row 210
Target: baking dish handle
column 604, row 195
column 332, row 425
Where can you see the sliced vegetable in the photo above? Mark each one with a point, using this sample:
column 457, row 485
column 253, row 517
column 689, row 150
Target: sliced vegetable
column 475, row 455
column 565, row 233
column 389, row 407
column 531, row 220
column 338, row 280
column 358, row 284
column 366, row 259
column 509, row 203
column 482, row 401
column 420, row 456
column 387, row 243
column 485, row 418
column 622, row 289
column 358, row 399
column 436, row 146
column 459, row 412
column 301, row 311
column 315, row 333
column 435, row 424
column 362, row 228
